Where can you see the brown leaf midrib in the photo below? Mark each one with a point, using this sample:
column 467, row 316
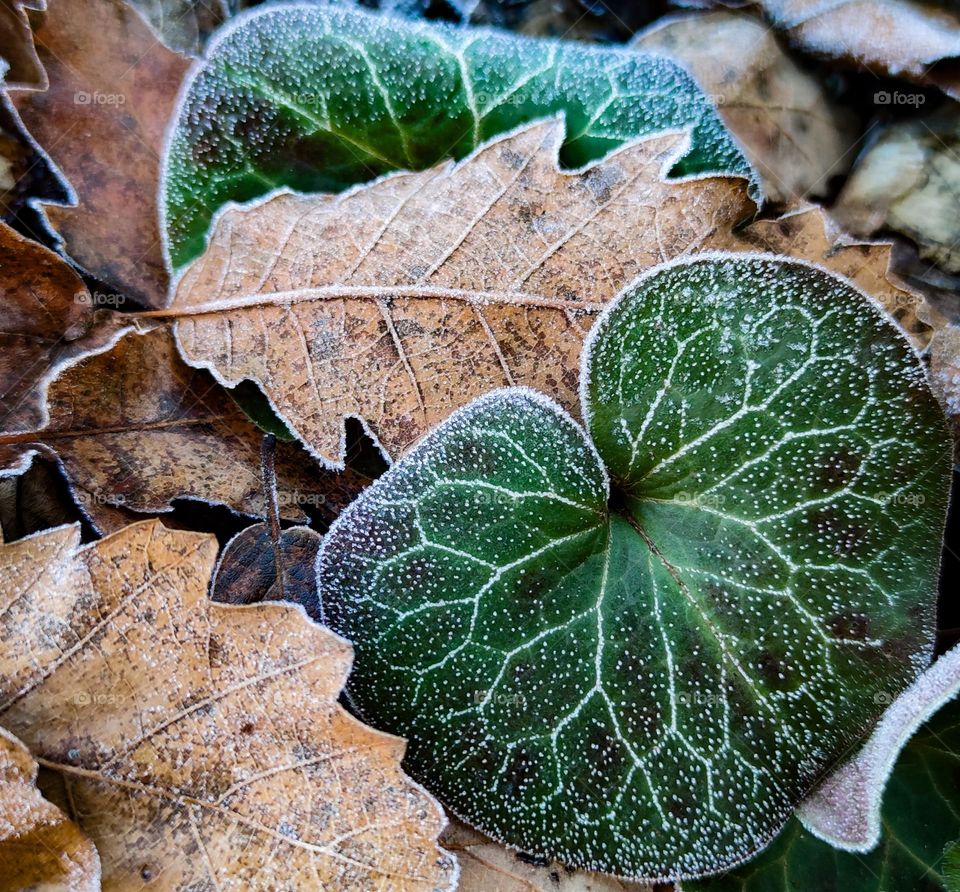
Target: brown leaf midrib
column 374, row 292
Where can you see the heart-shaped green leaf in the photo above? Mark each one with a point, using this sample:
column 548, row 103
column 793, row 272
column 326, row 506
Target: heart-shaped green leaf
column 317, row 98
column 634, row 650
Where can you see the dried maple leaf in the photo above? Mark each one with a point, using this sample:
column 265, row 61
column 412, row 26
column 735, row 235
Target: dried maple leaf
column 199, row 742
column 40, row 848
column 136, row 427
column 901, row 38
column 102, row 119
column 791, row 130
column 401, row 301
column 48, row 321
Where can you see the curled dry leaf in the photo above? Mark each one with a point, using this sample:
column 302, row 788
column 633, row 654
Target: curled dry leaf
column 487, row 866
column 901, row 38
column 793, row 133
column 247, row 570
column 400, row 301
column 845, row 809
column 102, row 119
column 40, row 848
column 48, row 321
column 201, row 742
column 136, row 427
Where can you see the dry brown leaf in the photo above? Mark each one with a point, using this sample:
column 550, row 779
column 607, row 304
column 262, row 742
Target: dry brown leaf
column 400, row 301
column 48, row 321
column 135, row 427
column 40, row 848
column 487, row 866
column 102, row 120
column 791, row 130
column 901, row 38
column 23, row 66
column 201, row 744
column 247, row 570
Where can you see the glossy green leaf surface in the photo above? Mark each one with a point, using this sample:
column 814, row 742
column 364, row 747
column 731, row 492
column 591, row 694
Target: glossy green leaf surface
column 318, row 98
column 635, row 647
column 921, row 820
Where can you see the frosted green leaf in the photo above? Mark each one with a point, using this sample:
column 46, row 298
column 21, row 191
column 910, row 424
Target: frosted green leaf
column 917, row 851
column 634, row 648
column 317, row 99
column 951, row 866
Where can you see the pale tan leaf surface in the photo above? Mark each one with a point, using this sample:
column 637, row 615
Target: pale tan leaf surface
column 487, row 866
column 902, row 38
column 402, row 300
column 135, row 428
column 102, row 120
column 792, row 131
column 40, row 848
column 48, row 320
column 202, row 745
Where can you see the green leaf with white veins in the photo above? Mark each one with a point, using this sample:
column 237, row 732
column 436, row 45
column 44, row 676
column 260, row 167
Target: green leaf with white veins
column 635, row 648
column 317, row 99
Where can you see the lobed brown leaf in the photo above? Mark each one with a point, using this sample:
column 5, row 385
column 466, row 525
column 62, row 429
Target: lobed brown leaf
column 135, row 428
column 201, row 744
column 112, row 88
column 400, row 301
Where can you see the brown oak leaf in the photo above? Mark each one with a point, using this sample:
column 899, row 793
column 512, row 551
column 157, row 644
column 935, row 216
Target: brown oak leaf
column 18, row 55
column 40, row 848
column 48, row 321
column 112, row 87
column 201, row 744
column 135, row 427
column 400, row 301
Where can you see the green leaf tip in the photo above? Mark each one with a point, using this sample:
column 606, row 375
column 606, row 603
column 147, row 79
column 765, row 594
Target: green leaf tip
column 318, row 98
column 635, row 647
